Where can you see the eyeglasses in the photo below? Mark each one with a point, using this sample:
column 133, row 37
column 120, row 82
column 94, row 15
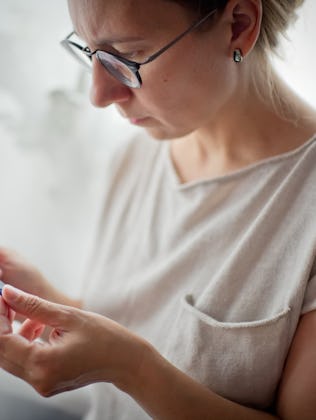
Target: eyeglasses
column 124, row 70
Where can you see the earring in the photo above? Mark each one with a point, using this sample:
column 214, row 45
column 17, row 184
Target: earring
column 238, row 56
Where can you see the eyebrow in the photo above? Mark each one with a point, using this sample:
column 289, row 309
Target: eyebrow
column 121, row 40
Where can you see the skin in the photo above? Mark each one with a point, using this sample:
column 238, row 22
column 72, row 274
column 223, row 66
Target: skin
column 194, row 93
column 15, row 270
column 225, row 127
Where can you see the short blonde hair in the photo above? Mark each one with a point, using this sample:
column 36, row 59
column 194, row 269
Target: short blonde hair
column 276, row 18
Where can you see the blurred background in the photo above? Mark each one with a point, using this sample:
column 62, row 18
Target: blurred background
column 52, row 142
column 53, row 145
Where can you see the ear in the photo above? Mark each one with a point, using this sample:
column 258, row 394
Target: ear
column 245, row 22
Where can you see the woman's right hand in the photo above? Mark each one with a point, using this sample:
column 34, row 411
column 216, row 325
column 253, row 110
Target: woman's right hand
column 21, row 274
column 6, row 317
column 82, row 347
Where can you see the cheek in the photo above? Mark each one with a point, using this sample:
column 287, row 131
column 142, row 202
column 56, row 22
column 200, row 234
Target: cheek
column 189, row 94
column 186, row 91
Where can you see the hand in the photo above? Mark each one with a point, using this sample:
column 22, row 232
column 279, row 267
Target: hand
column 6, row 317
column 21, row 274
column 82, row 348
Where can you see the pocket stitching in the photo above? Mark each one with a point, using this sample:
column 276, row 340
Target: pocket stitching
column 185, row 303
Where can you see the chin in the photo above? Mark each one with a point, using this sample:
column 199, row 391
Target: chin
column 166, row 133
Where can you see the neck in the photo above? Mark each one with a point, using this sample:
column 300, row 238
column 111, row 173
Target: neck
column 246, row 131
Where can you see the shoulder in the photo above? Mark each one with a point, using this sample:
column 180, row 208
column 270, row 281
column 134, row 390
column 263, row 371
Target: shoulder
column 305, row 153
column 299, row 170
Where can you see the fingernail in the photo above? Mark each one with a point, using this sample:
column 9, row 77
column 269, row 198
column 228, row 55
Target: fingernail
column 11, row 293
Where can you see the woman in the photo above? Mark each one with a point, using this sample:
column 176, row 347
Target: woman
column 204, row 276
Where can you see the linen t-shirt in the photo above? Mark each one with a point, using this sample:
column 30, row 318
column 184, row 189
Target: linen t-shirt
column 214, row 273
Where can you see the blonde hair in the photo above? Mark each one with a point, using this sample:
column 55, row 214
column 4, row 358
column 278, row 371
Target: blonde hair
column 276, row 18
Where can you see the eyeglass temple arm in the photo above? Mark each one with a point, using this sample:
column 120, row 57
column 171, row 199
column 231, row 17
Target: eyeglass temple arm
column 195, row 25
column 85, row 50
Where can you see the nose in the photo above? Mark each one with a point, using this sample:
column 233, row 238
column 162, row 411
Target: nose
column 105, row 89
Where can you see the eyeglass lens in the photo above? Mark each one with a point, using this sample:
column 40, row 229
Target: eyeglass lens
column 113, row 65
column 118, row 69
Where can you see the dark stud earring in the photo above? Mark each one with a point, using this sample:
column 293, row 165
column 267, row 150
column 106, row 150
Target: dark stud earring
column 238, row 56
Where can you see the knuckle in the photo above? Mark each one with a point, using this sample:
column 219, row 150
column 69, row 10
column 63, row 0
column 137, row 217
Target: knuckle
column 32, row 304
column 64, row 314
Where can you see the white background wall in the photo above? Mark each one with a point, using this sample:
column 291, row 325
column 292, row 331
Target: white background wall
column 52, row 143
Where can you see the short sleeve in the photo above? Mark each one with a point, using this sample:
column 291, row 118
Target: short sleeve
column 309, row 303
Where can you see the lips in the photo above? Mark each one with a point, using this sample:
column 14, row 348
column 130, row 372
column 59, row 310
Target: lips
column 136, row 120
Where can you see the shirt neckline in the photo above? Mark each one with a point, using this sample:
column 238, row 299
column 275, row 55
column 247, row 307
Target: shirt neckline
column 234, row 174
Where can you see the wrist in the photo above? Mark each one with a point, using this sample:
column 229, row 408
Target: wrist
column 156, row 386
column 136, row 376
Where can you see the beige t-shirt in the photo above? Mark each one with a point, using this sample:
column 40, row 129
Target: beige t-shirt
column 214, row 273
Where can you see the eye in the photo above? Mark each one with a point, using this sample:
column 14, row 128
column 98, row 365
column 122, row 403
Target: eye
column 129, row 55
column 129, row 52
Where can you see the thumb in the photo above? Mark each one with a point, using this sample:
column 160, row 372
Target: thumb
column 37, row 309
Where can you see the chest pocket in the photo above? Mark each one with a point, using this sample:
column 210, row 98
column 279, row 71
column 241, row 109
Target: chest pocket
column 241, row 361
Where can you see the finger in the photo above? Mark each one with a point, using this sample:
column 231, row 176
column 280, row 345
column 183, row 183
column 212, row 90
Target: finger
column 38, row 309
column 31, row 330
column 11, row 315
column 4, row 309
column 5, row 317
column 34, row 362
column 14, row 354
column 5, row 325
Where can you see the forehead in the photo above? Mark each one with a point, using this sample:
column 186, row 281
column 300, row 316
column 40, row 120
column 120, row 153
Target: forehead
column 94, row 19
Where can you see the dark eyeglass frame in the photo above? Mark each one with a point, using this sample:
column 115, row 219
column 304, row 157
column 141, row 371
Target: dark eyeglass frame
column 133, row 66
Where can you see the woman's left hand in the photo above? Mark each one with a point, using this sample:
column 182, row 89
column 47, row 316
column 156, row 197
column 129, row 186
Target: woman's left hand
column 83, row 347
